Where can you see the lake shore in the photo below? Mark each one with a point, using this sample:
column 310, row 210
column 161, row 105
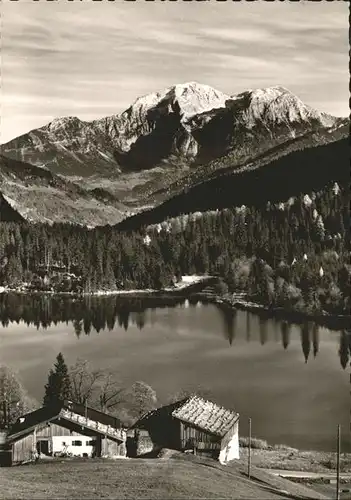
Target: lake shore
column 238, row 301
column 192, row 288
column 184, row 287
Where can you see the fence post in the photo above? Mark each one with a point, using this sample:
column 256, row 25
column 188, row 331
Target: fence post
column 338, row 464
column 249, row 455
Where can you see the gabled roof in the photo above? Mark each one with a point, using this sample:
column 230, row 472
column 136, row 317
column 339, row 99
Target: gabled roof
column 48, row 413
column 36, row 417
column 161, row 411
column 206, row 415
column 196, row 412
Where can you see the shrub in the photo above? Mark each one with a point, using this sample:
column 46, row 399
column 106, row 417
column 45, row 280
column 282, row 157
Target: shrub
column 258, row 444
column 284, row 447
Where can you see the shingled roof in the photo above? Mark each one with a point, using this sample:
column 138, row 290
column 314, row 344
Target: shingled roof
column 206, row 415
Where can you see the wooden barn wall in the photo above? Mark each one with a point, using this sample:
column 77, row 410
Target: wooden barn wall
column 111, row 448
column 23, row 449
column 55, row 430
column 190, row 436
column 164, row 431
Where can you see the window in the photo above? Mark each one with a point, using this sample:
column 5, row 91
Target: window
column 76, row 443
column 91, row 443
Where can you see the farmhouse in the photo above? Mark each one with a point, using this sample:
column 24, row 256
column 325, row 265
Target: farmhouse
column 191, row 424
column 66, row 429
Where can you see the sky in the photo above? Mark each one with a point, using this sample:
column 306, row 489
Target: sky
column 93, row 59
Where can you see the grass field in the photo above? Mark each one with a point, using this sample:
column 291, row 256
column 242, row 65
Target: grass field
column 283, row 457
column 175, row 478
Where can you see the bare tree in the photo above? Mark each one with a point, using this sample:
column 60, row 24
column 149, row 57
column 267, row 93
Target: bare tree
column 110, row 395
column 14, row 399
column 97, row 387
column 100, row 389
column 83, row 381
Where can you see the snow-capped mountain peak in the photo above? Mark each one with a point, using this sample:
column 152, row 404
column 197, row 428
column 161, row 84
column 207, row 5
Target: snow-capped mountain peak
column 188, row 122
column 183, row 100
column 277, row 104
column 192, row 98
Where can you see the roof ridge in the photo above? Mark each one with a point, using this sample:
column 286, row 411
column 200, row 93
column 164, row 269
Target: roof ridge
column 214, row 403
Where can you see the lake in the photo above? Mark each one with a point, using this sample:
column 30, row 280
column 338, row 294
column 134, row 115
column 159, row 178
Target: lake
column 292, row 380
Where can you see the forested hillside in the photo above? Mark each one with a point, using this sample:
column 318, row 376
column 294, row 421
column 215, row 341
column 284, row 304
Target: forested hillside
column 274, row 178
column 294, row 254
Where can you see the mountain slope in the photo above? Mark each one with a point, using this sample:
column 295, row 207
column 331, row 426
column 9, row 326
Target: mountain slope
column 66, row 145
column 162, row 135
column 7, row 213
column 257, row 183
column 228, row 165
column 35, row 194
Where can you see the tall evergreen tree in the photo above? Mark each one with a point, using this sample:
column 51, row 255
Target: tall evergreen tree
column 58, row 387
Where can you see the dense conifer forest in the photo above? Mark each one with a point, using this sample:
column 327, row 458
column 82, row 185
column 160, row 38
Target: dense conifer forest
column 293, row 254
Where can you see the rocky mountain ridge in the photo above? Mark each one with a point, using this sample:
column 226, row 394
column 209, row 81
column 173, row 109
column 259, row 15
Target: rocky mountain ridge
column 165, row 139
column 185, row 120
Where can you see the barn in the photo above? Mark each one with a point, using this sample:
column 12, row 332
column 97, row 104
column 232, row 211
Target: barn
column 67, row 429
column 192, row 424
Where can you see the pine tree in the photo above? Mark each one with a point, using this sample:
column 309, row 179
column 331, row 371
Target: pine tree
column 58, row 387
column 14, row 271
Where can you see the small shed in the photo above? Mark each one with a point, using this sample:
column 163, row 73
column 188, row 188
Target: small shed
column 193, row 424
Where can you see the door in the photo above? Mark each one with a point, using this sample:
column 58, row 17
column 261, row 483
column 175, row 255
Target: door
column 97, row 448
column 43, row 447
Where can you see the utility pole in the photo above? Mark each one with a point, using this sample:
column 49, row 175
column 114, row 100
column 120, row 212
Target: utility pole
column 249, row 455
column 86, row 410
column 338, row 464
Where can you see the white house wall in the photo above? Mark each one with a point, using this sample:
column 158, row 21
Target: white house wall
column 58, row 445
column 230, row 445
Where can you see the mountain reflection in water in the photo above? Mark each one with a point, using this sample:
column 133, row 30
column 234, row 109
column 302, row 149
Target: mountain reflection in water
column 97, row 314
